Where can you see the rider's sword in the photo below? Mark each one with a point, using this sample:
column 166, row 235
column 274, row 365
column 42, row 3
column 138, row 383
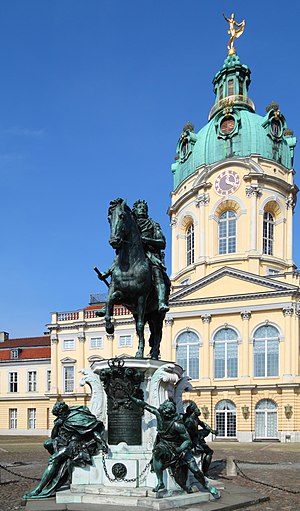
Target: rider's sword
column 100, row 276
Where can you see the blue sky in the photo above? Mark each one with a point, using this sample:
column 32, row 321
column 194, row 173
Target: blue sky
column 94, row 95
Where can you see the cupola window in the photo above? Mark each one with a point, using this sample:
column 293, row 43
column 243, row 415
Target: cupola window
column 184, row 148
column 221, row 90
column 227, row 125
column 227, row 232
column 268, row 233
column 276, row 128
column 241, row 87
column 190, row 257
column 230, row 87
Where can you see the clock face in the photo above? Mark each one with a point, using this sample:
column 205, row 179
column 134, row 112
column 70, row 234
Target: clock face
column 227, row 182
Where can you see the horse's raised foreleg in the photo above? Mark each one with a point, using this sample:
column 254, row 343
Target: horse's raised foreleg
column 140, row 324
column 112, row 299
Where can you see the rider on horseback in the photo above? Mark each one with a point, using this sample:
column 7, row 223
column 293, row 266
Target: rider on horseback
column 153, row 241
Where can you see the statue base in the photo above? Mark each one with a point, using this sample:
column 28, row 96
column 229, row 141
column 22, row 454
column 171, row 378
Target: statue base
column 137, row 497
column 123, row 475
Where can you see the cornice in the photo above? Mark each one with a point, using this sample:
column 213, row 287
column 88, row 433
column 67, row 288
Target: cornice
column 241, row 297
column 32, row 399
column 26, row 361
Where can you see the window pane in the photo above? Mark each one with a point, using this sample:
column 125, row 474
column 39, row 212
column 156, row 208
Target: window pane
column 125, row 340
column 193, row 369
column 69, row 379
column 272, row 358
column 219, row 356
column 69, row 344
column 259, row 358
column 181, row 356
column 232, row 360
column 220, row 423
column 96, row 342
column 13, row 418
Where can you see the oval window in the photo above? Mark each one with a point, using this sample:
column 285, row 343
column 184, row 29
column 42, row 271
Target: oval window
column 276, row 128
column 227, row 125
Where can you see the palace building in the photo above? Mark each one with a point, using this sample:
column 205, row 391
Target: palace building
column 234, row 317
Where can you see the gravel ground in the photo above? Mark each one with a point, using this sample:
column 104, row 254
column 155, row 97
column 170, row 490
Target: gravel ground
column 26, row 457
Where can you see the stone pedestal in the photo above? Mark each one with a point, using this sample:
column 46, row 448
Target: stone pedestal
column 123, row 475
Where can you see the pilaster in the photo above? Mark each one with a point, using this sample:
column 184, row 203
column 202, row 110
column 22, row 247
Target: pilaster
column 205, row 362
column 244, row 357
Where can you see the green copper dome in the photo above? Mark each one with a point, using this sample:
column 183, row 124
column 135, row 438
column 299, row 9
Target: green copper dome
column 234, row 129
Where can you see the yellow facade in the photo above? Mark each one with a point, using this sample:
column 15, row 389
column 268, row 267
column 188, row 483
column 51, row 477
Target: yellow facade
column 25, row 411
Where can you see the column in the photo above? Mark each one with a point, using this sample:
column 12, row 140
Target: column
column 175, row 247
column 244, row 348
column 287, row 348
column 205, row 358
column 54, row 363
column 170, row 350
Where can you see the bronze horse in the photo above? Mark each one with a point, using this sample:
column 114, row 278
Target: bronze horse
column 131, row 279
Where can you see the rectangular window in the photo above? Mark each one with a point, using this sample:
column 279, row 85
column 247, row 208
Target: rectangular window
column 13, row 418
column 69, row 344
column 48, row 380
column 31, row 418
column 13, row 382
column 32, row 381
column 241, row 88
column 221, row 92
column 96, row 342
column 125, row 340
column 69, row 378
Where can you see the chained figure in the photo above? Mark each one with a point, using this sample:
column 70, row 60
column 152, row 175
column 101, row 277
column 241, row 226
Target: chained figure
column 172, row 448
column 192, row 422
column 76, row 436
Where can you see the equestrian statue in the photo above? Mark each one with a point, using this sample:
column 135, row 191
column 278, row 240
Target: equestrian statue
column 138, row 275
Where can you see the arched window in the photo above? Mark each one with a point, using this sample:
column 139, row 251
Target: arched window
column 268, row 233
column 227, row 232
column 266, row 351
column 187, row 353
column 225, row 354
column 190, row 257
column 266, row 419
column 226, row 418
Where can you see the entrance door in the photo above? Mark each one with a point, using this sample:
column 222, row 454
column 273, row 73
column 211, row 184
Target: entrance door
column 226, row 419
column 266, row 419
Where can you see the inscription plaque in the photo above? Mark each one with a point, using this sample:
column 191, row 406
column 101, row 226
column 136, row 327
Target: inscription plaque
column 124, row 416
column 125, row 426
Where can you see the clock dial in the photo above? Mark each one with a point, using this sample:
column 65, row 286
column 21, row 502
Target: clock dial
column 227, row 182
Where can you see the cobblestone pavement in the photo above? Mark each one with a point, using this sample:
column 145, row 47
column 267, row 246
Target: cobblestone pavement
column 26, row 457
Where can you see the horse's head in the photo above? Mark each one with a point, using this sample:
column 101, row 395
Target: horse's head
column 119, row 217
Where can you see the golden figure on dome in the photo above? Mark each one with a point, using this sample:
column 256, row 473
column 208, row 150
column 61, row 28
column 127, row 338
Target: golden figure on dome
column 234, row 32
